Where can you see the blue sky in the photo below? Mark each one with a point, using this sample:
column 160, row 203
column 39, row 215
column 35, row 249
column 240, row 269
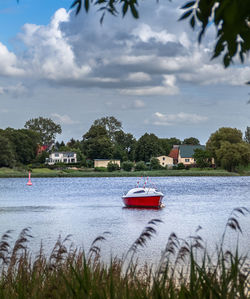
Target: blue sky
column 150, row 73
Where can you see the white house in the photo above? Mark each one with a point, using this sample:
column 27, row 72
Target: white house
column 61, row 157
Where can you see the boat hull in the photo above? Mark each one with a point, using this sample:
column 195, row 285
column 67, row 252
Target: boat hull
column 143, row 201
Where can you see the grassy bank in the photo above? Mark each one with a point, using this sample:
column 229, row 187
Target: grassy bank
column 45, row 172
column 184, row 270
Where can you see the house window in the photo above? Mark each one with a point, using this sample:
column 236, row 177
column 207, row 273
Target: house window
column 72, row 160
column 162, row 163
column 187, row 160
column 163, row 158
column 56, row 155
column 65, row 160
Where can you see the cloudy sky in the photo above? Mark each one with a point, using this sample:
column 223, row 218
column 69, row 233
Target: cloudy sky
column 150, row 73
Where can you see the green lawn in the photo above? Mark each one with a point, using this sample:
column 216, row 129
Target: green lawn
column 45, row 172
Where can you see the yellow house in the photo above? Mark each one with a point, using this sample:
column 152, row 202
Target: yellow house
column 105, row 162
column 186, row 152
column 166, row 161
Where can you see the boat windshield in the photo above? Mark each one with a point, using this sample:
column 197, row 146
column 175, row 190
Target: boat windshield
column 140, row 191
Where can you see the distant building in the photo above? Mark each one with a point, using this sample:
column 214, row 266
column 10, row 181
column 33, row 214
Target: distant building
column 105, row 162
column 61, row 157
column 166, row 161
column 174, row 153
column 186, row 152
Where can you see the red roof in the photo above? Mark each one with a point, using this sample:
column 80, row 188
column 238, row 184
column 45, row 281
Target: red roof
column 174, row 153
column 41, row 148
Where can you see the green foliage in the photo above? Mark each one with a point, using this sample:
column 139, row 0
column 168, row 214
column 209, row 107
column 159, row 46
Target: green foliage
column 101, row 169
column 112, row 166
column 127, row 165
column 46, row 128
column 124, row 146
column 148, row 146
column 191, row 140
column 139, row 166
column 202, row 158
column 247, row 135
column 23, row 143
column 223, row 134
column 110, row 123
column 185, row 268
column 180, row 166
column 41, row 158
column 155, row 164
column 231, row 20
column 7, row 157
column 228, row 148
column 97, row 144
column 233, row 155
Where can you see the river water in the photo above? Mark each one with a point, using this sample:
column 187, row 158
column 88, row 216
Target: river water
column 87, row 207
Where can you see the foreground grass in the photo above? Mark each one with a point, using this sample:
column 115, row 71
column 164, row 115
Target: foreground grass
column 45, row 172
column 185, row 270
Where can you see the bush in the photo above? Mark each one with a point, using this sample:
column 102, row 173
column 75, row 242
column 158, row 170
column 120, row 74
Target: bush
column 112, row 166
column 155, row 164
column 180, row 166
column 127, row 165
column 101, row 169
column 140, row 166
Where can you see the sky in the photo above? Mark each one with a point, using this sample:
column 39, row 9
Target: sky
column 151, row 73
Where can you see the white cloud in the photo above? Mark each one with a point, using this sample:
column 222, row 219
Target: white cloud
column 145, row 33
column 138, row 77
column 49, row 53
column 161, row 119
column 14, row 90
column 8, row 63
column 167, row 87
column 64, row 119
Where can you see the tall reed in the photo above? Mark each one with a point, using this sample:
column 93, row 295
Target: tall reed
column 185, row 269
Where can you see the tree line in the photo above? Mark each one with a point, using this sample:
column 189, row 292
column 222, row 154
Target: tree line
column 106, row 139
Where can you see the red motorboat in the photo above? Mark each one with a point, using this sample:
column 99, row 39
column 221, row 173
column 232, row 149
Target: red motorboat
column 143, row 198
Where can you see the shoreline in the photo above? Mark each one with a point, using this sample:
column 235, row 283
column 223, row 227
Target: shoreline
column 48, row 173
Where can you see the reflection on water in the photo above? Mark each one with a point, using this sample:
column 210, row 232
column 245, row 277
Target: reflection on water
column 86, row 207
column 26, row 209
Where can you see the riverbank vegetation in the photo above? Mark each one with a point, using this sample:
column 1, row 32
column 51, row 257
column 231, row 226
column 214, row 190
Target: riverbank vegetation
column 105, row 139
column 185, row 269
column 90, row 172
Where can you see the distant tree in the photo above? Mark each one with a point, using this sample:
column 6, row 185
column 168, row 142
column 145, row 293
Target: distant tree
column 97, row 144
column 228, row 148
column 46, row 128
column 74, row 143
column 223, row 134
column 232, row 155
column 24, row 143
column 165, row 145
column 7, row 157
column 155, row 164
column 148, row 146
column 127, row 165
column 41, row 158
column 202, row 158
column 111, row 124
column 191, row 140
column 247, row 135
column 124, row 146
